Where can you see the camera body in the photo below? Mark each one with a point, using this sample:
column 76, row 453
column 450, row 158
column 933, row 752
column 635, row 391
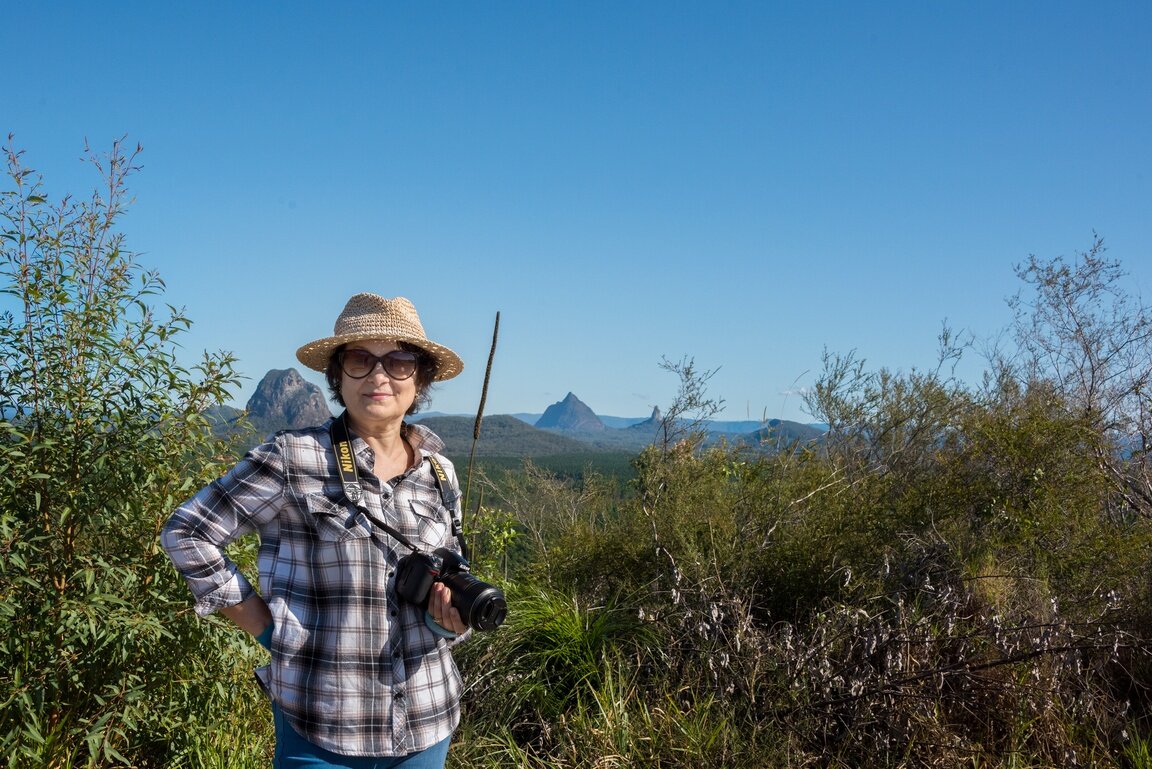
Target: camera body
column 481, row 606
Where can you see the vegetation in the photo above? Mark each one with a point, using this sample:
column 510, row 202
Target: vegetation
column 955, row 576
column 104, row 663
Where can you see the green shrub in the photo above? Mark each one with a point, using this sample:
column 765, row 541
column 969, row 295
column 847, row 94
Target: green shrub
column 102, row 435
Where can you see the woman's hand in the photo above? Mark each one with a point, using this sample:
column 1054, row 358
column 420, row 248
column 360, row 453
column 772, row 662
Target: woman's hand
column 443, row 612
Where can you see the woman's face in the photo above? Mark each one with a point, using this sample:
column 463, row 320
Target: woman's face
column 378, row 400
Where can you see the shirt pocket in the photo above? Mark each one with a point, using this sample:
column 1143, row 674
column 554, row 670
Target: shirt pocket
column 431, row 522
column 331, row 520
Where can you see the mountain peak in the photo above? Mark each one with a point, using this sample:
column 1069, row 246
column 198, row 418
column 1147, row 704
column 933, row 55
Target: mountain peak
column 570, row 414
column 651, row 422
column 284, row 397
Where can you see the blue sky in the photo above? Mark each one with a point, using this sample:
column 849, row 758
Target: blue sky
column 746, row 184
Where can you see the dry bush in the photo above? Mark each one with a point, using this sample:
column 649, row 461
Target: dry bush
column 957, row 670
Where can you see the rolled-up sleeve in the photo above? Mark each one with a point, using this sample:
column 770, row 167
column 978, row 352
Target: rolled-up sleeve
column 238, row 503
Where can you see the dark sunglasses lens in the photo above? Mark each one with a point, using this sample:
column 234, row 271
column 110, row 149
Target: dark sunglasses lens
column 400, row 364
column 357, row 363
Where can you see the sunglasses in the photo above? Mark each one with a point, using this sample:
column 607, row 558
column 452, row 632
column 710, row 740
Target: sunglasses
column 398, row 364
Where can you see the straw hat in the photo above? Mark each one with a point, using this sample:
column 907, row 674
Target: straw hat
column 371, row 317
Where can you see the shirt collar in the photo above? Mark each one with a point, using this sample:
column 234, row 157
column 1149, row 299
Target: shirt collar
column 423, row 439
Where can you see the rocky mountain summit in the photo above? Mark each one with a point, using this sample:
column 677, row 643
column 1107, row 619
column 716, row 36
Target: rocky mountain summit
column 570, row 414
column 284, row 398
column 650, row 424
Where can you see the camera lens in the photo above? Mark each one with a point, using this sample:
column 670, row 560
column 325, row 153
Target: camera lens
column 481, row 605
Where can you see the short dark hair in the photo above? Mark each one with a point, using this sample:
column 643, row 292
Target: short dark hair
column 426, row 370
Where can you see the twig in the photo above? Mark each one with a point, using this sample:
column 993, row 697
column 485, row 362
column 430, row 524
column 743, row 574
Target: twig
column 480, row 414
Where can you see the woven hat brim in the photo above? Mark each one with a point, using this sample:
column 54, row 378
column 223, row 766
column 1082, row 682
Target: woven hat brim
column 315, row 355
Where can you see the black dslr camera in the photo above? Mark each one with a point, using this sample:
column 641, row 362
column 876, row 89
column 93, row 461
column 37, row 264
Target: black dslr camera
column 481, row 605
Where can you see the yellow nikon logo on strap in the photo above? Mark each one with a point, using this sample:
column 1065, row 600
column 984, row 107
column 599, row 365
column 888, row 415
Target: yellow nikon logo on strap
column 440, row 474
column 345, row 456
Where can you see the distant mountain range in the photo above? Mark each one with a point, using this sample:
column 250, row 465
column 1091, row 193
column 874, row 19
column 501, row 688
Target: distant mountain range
column 285, row 400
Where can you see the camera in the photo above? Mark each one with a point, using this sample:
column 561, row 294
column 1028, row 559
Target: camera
column 481, row 606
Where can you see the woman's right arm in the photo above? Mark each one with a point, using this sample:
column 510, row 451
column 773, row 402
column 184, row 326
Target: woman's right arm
column 245, row 498
column 251, row 615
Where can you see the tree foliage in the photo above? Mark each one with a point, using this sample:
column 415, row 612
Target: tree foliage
column 1078, row 330
column 692, row 407
column 101, row 436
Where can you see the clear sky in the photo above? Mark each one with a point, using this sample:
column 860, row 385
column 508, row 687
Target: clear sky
column 744, row 183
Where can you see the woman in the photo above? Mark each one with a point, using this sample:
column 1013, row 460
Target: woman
column 359, row 677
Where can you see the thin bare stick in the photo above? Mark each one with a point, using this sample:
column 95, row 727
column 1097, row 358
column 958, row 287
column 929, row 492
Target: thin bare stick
column 480, row 414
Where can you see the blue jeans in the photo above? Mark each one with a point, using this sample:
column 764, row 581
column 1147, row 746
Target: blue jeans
column 295, row 752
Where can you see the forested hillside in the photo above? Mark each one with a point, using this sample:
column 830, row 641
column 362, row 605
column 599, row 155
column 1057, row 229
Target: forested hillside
column 500, row 436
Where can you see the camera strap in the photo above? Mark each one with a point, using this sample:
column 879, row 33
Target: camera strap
column 449, row 496
column 354, row 491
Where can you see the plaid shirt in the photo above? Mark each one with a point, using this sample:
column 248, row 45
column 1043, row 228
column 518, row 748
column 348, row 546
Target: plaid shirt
column 354, row 668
